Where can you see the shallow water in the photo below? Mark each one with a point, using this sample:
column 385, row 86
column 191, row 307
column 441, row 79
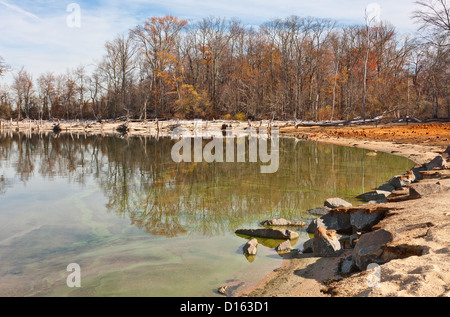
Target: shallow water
column 139, row 224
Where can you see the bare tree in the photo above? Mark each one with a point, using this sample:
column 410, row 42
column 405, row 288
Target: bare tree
column 47, row 92
column 3, row 67
column 23, row 87
column 433, row 14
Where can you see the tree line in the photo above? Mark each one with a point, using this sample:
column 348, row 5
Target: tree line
column 296, row 67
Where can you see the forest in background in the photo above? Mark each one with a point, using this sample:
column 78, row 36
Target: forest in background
column 301, row 68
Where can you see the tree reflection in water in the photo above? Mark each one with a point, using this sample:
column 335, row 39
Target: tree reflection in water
column 141, row 182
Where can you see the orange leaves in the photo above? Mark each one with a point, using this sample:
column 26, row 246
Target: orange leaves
column 193, row 104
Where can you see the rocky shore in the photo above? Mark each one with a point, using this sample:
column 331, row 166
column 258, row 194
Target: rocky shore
column 397, row 244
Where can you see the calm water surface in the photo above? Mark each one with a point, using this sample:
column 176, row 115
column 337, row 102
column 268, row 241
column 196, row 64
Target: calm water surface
column 139, row 224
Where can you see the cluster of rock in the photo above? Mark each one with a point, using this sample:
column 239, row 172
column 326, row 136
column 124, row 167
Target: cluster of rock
column 268, row 232
column 342, row 226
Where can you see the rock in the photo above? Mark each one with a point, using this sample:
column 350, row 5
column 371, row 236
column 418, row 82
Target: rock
column 446, row 153
column 319, row 211
column 336, row 202
column 428, row 188
column 370, row 247
column 376, row 195
column 434, row 174
column 282, row 222
column 223, row 290
column 402, row 180
column 363, row 221
column 251, row 247
column 439, row 162
column 354, row 239
column 417, row 172
column 386, row 187
column 307, row 246
column 344, row 240
column 338, row 221
column 326, row 244
column 269, row 233
column 284, row 246
column 404, row 194
column 347, row 265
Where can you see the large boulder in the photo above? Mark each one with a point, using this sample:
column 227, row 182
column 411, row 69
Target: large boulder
column 307, row 246
column 376, row 195
column 428, row 188
column 407, row 193
column 402, row 180
column 331, row 221
column 439, row 162
column 269, row 233
column 446, row 153
column 319, row 211
column 386, row 187
column 364, row 220
column 336, row 202
column 326, row 244
column 370, row 247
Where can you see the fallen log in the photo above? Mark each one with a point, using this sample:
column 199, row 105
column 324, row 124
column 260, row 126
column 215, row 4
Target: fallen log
column 372, row 119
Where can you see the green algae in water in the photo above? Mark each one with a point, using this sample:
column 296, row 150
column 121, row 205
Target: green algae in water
column 139, row 224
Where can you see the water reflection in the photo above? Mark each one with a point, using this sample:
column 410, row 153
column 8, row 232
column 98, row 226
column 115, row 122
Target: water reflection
column 142, row 183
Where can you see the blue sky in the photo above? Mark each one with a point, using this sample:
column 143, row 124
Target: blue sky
column 35, row 34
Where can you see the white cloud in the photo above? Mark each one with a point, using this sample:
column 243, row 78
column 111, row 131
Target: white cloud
column 19, row 10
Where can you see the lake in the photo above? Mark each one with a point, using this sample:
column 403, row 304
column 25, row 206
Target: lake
column 139, row 224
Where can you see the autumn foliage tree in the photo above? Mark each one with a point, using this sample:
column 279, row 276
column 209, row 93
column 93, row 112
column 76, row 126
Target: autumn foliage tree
column 302, row 68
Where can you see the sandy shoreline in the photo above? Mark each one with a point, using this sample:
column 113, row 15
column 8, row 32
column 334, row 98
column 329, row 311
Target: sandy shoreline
column 421, row 226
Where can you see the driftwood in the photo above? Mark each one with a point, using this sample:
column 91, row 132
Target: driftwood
column 372, row 119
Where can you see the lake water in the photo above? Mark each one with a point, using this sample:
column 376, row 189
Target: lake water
column 139, row 224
